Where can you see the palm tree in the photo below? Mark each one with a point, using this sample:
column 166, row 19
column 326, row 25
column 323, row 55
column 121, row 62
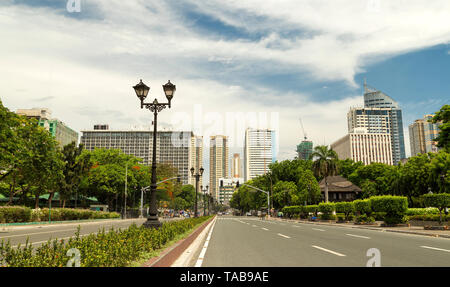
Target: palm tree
column 325, row 164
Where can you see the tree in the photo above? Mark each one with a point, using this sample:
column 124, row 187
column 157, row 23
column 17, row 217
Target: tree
column 443, row 117
column 325, row 164
column 283, row 192
column 347, row 167
column 308, row 189
column 75, row 168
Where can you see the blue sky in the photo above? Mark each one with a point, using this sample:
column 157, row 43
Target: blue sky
column 299, row 58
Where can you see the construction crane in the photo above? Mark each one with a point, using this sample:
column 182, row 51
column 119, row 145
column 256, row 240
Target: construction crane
column 304, row 134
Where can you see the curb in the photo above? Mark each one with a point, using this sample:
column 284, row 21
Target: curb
column 169, row 255
column 371, row 228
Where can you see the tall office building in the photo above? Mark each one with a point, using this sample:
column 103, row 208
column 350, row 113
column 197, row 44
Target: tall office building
column 259, row 152
column 236, row 170
column 172, row 147
column 360, row 145
column 422, row 135
column 60, row 131
column 196, row 158
column 218, row 163
column 374, row 98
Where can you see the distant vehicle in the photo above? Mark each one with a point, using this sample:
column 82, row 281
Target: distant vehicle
column 248, row 214
column 219, row 213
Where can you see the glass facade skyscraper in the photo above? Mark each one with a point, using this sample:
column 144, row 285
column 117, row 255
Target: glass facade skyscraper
column 377, row 99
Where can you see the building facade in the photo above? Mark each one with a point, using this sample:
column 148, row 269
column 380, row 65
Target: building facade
column 60, row 131
column 172, row 147
column 422, row 135
column 365, row 147
column 259, row 152
column 218, row 163
column 374, row 98
column 236, row 170
column 227, row 187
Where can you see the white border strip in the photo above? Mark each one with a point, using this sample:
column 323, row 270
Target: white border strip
column 434, row 248
column 205, row 247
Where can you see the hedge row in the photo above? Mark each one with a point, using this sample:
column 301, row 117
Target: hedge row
column 391, row 209
column 115, row 248
column 13, row 214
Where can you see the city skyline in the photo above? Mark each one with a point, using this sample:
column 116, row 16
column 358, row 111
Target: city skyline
column 289, row 71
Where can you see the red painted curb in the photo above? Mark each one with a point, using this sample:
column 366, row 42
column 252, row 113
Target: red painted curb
column 171, row 254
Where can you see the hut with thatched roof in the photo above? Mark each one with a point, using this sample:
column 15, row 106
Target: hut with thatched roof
column 339, row 189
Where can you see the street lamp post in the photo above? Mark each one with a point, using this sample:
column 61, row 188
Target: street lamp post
column 197, row 179
column 205, row 199
column 142, row 91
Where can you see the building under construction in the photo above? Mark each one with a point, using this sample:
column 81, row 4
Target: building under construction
column 304, row 149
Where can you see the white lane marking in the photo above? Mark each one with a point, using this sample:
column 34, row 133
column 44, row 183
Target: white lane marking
column 205, row 247
column 285, row 236
column 254, row 225
column 326, row 250
column 359, row 236
column 264, row 229
column 318, row 229
column 295, row 226
column 434, row 248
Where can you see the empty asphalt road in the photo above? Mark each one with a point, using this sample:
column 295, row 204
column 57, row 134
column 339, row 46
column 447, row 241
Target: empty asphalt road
column 41, row 234
column 251, row 242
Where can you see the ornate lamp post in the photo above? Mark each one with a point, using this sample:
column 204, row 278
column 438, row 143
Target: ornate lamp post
column 197, row 178
column 155, row 107
column 205, row 199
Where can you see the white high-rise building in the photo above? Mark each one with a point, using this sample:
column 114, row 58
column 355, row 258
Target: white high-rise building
column 236, row 170
column 218, row 163
column 172, row 147
column 259, row 152
column 365, row 147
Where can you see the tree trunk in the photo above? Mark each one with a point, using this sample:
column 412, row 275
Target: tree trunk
column 64, row 203
column 50, row 198
column 326, row 190
column 11, row 191
column 36, row 204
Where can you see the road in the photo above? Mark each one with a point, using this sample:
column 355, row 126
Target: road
column 251, row 242
column 41, row 234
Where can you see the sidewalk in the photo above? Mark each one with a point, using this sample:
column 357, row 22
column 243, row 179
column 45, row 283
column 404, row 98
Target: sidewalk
column 417, row 230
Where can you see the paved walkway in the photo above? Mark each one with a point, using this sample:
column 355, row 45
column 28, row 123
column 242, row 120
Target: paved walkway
column 411, row 229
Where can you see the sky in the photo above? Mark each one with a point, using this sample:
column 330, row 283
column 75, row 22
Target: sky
column 236, row 64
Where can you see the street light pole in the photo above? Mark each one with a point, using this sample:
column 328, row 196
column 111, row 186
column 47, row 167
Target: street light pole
column 155, row 107
column 197, row 179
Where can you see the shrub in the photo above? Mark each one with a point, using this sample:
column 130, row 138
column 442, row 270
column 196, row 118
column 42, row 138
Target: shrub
column 312, row 209
column 395, row 207
column 10, row 214
column 362, row 206
column 327, row 208
column 292, row 211
column 379, row 215
column 345, row 207
column 422, row 211
column 440, row 201
column 115, row 248
column 327, row 216
column 364, row 218
column 429, row 217
column 340, row 217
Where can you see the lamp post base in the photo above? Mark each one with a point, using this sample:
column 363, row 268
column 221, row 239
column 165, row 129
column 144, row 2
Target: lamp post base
column 152, row 222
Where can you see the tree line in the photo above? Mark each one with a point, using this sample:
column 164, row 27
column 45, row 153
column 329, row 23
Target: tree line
column 296, row 182
column 32, row 164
